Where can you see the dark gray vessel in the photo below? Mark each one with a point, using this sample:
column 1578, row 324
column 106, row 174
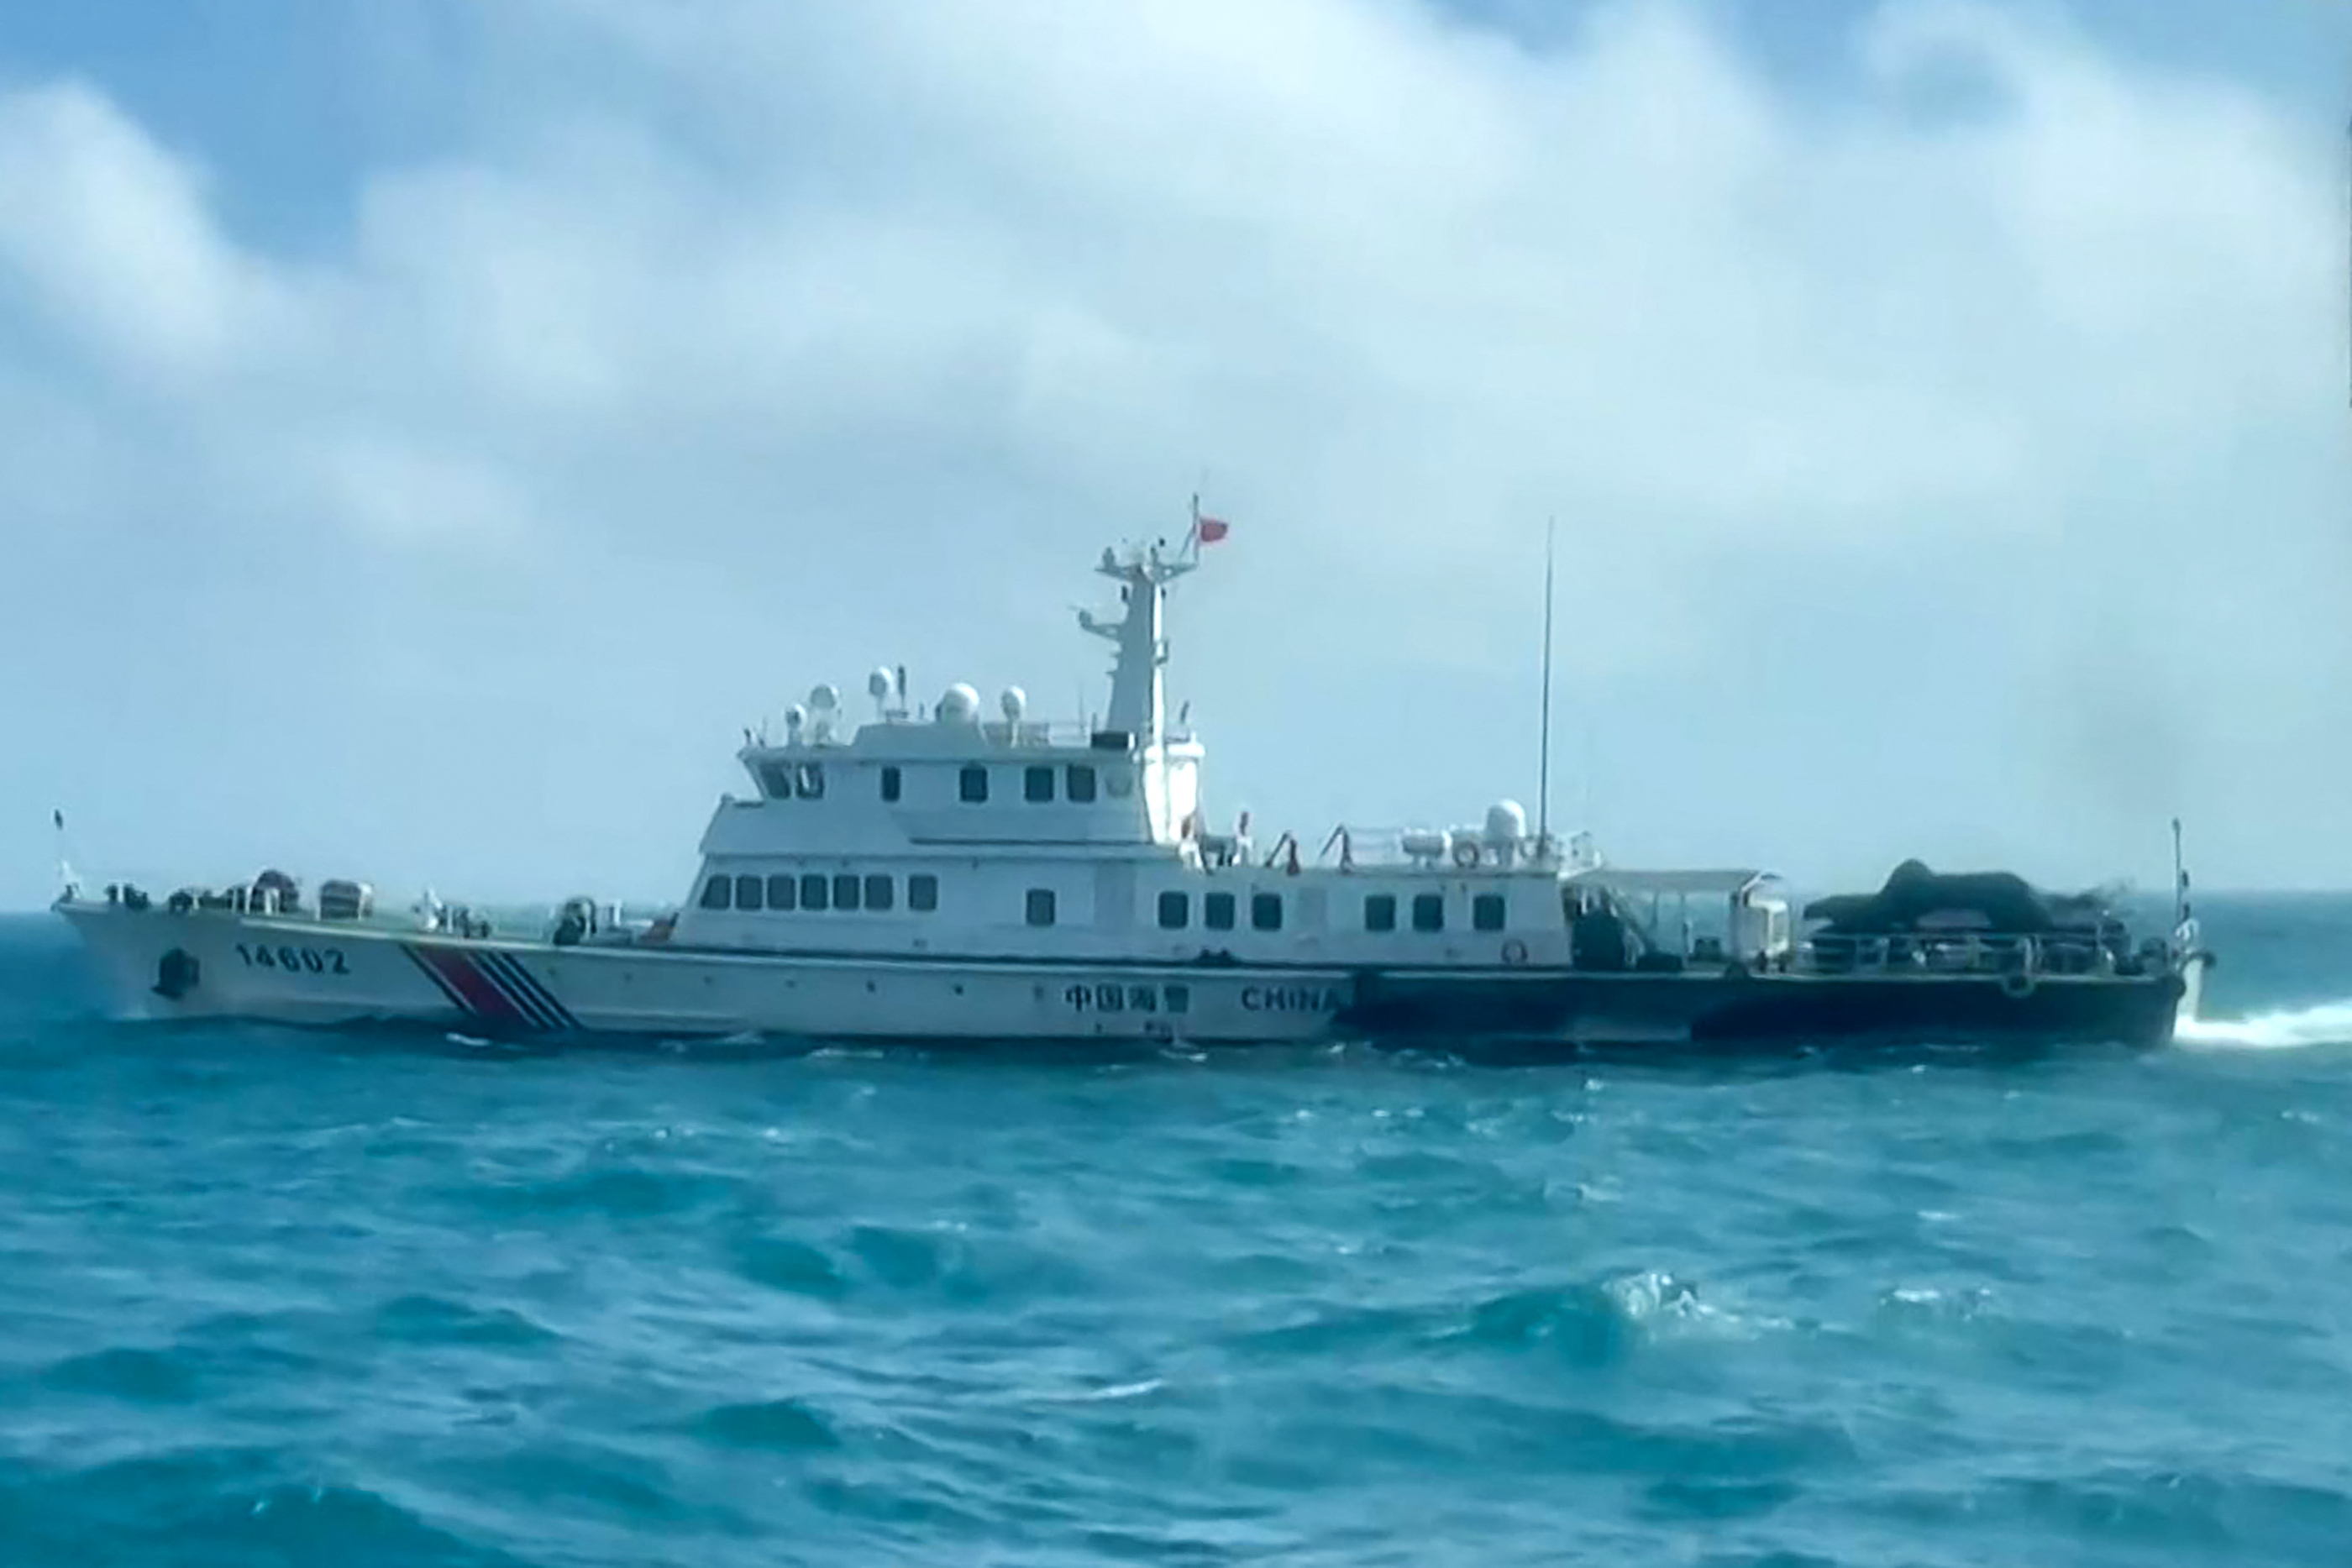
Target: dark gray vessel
column 1707, row 958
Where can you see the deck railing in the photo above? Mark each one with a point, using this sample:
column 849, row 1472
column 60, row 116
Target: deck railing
column 1354, row 846
column 1062, row 734
column 1973, row 953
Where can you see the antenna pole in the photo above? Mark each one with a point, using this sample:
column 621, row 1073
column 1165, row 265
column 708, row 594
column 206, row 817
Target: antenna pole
column 70, row 885
column 1543, row 773
column 2179, row 878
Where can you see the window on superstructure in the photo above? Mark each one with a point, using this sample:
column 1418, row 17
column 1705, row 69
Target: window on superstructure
column 1175, row 911
column 880, row 894
column 812, row 893
column 777, row 779
column 1486, row 912
column 922, row 893
column 1040, row 906
column 1429, row 912
column 1037, row 784
column 1079, row 785
column 973, row 784
column 719, row 893
column 784, row 893
column 890, row 783
column 845, row 888
column 809, row 785
column 1265, row 911
column 1380, row 912
column 1217, row 911
column 749, row 892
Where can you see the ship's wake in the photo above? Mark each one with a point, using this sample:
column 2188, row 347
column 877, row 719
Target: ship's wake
column 2328, row 1023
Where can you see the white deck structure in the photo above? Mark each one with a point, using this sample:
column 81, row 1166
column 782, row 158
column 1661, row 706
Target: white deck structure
column 991, row 837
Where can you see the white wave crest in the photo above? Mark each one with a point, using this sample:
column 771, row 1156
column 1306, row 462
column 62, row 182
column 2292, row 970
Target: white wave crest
column 2329, row 1023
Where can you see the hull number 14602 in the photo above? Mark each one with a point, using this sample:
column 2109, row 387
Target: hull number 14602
column 293, row 959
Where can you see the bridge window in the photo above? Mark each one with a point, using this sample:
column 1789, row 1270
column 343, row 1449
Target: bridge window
column 747, row 891
column 890, row 783
column 812, row 893
column 1040, row 906
column 809, row 782
column 1265, row 911
column 1175, row 911
column 973, row 784
column 922, row 893
column 1217, row 911
column 1380, row 912
column 777, row 780
column 784, row 893
column 1486, row 912
column 1080, row 784
column 844, row 890
column 719, row 893
column 1429, row 912
column 1178, row 998
column 878, row 892
column 1037, row 784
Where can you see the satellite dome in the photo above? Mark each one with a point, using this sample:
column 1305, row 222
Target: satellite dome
column 822, row 698
column 795, row 716
column 1506, row 822
column 959, row 703
column 1015, row 702
column 877, row 685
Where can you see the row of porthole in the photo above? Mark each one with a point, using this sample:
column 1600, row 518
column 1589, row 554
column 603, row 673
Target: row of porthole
column 1219, row 910
column 1487, row 912
column 1077, row 782
column 814, row 893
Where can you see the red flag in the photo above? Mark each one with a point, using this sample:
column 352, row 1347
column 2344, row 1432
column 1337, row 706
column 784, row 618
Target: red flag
column 1212, row 530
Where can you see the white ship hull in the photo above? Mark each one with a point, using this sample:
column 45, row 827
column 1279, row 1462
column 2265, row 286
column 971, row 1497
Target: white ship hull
column 158, row 965
column 311, row 972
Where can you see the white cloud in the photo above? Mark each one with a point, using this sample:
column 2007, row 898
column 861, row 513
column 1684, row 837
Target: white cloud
column 1979, row 442
column 109, row 235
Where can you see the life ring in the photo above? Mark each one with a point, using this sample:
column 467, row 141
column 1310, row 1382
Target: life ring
column 1466, row 854
column 2017, row 985
column 1515, row 951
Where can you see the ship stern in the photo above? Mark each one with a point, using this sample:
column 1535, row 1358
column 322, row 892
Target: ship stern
column 2191, row 969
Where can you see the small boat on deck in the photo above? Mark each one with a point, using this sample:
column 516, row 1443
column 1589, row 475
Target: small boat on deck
column 937, row 876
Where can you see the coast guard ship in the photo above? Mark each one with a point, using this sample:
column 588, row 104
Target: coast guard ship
column 952, row 875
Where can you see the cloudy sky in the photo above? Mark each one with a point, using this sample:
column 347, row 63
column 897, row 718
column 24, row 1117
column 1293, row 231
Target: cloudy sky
column 430, row 430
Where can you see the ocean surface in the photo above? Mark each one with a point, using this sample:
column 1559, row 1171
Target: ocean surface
column 271, row 1297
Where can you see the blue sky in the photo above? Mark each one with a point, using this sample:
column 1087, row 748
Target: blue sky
column 433, row 431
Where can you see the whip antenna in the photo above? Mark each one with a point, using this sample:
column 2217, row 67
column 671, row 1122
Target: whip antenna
column 1543, row 765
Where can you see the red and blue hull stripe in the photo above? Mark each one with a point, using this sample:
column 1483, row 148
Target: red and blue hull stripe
column 492, row 986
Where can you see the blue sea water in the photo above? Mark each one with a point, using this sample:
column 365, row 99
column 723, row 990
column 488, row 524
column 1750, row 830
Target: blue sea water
column 270, row 1297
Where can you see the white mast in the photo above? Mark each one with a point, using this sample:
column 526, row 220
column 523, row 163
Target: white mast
column 1137, row 698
